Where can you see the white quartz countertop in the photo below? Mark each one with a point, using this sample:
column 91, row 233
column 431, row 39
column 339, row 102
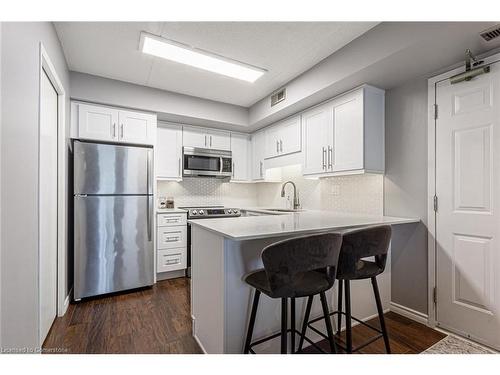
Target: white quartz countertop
column 303, row 222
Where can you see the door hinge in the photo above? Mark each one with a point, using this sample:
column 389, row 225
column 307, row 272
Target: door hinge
column 435, row 203
column 435, row 111
column 434, row 296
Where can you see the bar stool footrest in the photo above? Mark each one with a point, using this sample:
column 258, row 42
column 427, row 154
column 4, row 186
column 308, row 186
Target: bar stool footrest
column 293, row 331
column 366, row 343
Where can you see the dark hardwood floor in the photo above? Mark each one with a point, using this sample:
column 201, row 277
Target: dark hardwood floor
column 157, row 320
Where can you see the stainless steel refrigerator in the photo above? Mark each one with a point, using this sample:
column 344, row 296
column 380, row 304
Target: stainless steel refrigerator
column 113, row 218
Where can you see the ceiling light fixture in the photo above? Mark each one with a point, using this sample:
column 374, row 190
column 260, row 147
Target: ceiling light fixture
column 170, row 50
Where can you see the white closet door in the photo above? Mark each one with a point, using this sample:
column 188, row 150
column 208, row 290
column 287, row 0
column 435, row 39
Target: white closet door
column 468, row 216
column 48, row 207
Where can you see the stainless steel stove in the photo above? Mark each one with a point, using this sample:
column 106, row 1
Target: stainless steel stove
column 205, row 212
column 211, row 212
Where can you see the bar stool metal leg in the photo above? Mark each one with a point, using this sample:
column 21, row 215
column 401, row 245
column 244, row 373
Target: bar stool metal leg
column 284, row 316
column 348, row 327
column 381, row 315
column 339, row 308
column 292, row 324
column 305, row 322
column 251, row 324
column 328, row 322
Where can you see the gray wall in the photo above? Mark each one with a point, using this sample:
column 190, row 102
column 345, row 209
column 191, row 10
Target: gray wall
column 169, row 105
column 405, row 190
column 20, row 57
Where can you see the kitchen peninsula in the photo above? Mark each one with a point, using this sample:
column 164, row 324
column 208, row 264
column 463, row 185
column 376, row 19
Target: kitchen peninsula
column 224, row 250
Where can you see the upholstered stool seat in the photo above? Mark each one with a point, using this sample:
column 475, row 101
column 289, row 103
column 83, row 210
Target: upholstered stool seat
column 303, row 285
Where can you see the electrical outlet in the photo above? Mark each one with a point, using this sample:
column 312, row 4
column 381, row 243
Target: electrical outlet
column 335, row 190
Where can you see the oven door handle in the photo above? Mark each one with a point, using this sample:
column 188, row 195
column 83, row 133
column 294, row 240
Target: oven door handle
column 221, row 164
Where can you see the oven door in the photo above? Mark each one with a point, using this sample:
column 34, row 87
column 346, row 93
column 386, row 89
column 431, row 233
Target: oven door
column 206, row 162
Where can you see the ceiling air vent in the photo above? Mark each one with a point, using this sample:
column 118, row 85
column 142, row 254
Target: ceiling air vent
column 278, row 97
column 491, row 33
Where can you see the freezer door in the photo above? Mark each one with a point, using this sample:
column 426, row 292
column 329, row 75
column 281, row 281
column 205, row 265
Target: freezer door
column 112, row 169
column 113, row 244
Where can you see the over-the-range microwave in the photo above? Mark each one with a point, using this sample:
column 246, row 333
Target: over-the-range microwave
column 202, row 162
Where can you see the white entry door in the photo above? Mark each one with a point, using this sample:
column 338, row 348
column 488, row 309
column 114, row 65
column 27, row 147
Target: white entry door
column 48, row 206
column 468, row 214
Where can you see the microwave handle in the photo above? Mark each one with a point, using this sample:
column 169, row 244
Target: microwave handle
column 221, row 164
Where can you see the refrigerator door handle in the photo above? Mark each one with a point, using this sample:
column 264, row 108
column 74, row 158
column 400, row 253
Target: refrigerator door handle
column 150, row 215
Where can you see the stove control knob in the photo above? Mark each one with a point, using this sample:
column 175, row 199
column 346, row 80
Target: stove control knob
column 194, row 212
column 230, row 211
column 236, row 212
column 201, row 212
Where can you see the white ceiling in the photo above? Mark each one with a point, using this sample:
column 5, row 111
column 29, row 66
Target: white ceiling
column 285, row 49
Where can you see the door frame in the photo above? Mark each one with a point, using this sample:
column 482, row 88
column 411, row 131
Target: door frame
column 46, row 66
column 432, row 82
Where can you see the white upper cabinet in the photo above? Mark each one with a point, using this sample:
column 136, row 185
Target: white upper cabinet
column 168, row 151
column 240, row 147
column 98, row 123
column 283, row 138
column 206, row 138
column 316, row 131
column 219, row 140
column 136, row 127
column 110, row 124
column 345, row 135
column 258, row 147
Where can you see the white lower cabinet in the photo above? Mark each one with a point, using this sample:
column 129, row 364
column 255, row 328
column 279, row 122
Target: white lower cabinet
column 171, row 242
column 345, row 135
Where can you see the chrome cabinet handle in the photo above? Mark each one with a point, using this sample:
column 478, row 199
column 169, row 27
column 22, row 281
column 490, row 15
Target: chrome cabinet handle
column 281, row 145
column 261, row 169
column 205, row 139
column 277, row 147
column 172, row 239
column 179, row 166
column 210, row 141
column 330, row 157
column 114, row 130
column 323, row 154
column 233, row 170
column 121, row 131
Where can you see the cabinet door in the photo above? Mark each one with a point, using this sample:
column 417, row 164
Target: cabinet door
column 97, row 123
column 317, row 131
column 240, row 153
column 289, row 136
column 272, row 141
column 219, row 140
column 136, row 127
column 194, row 137
column 348, row 133
column 257, row 158
column 169, row 151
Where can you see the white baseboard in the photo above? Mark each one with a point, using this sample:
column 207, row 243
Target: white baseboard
column 410, row 313
column 170, row 275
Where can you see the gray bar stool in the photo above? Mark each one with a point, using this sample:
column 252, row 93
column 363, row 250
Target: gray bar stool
column 356, row 246
column 294, row 268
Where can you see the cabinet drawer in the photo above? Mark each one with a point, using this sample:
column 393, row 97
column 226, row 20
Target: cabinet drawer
column 171, row 260
column 167, row 220
column 172, row 237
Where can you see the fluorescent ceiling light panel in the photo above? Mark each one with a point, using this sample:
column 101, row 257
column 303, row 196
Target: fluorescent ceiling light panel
column 180, row 53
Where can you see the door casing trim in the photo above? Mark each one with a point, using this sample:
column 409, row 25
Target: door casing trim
column 46, row 66
column 431, row 181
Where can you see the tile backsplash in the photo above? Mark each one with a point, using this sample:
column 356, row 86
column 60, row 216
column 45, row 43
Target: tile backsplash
column 359, row 194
